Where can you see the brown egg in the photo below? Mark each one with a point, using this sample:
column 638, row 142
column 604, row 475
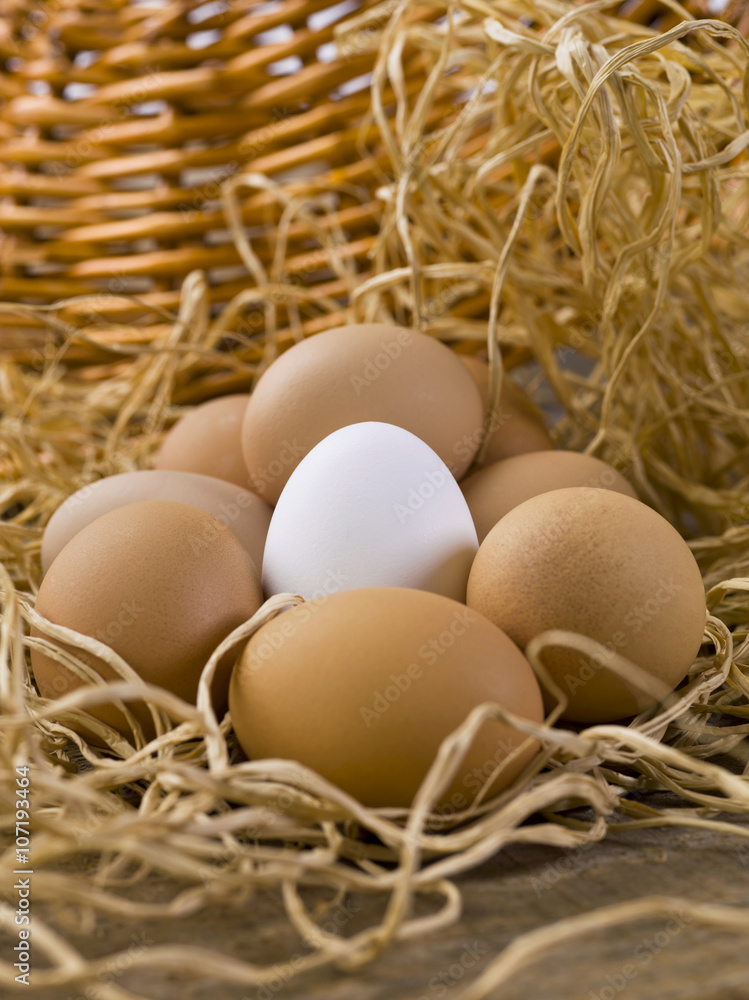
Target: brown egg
column 353, row 374
column 244, row 512
column 602, row 564
column 519, row 425
column 363, row 685
column 154, row 583
column 493, row 491
column 208, row 440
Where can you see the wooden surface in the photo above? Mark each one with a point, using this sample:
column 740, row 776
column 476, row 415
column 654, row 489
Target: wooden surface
column 518, row 890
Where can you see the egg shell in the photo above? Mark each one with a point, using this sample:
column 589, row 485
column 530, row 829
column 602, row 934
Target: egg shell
column 493, row 491
column 244, row 512
column 208, row 440
column 390, row 673
column 353, row 374
column 371, row 505
column 519, row 427
column 607, row 566
column 160, row 582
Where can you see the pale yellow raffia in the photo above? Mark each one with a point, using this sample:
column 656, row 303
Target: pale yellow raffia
column 591, row 186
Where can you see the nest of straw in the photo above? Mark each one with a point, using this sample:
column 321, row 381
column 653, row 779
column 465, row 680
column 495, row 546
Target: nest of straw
column 567, row 191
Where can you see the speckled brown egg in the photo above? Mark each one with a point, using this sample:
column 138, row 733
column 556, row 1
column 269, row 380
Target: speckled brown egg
column 161, row 583
column 602, row 564
column 247, row 514
column 208, row 440
column 363, row 685
column 519, row 427
column 354, row 374
column 494, row 490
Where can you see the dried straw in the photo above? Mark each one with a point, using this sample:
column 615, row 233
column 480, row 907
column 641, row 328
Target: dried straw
column 587, row 192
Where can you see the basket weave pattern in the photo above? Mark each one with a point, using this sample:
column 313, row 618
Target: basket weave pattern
column 199, row 198
column 120, row 123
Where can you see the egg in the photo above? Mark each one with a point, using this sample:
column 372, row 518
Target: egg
column 519, row 427
column 362, row 686
column 371, row 505
column 160, row 582
column 208, row 440
column 607, row 566
column 244, row 512
column 493, row 491
column 354, row 374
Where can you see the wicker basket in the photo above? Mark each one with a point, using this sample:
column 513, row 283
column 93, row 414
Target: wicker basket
column 165, row 163
column 120, row 124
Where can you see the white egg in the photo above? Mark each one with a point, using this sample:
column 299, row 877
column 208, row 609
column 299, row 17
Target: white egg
column 371, row 505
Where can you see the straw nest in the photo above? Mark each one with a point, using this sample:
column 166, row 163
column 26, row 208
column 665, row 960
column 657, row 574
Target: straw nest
column 564, row 189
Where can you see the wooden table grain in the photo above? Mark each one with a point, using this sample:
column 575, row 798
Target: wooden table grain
column 521, row 888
